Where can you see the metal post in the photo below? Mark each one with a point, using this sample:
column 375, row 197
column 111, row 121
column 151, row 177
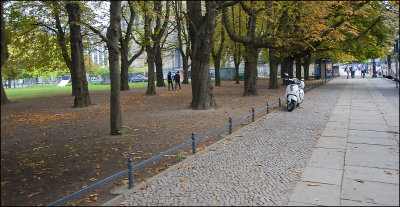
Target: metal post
column 252, row 114
column 267, row 107
column 279, row 100
column 230, row 125
column 373, row 68
column 193, row 142
column 130, row 172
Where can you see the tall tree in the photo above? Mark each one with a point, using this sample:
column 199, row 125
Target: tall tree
column 201, row 31
column 252, row 41
column 4, row 54
column 184, row 46
column 220, row 39
column 82, row 98
column 237, row 46
column 124, row 49
column 113, row 32
column 153, row 38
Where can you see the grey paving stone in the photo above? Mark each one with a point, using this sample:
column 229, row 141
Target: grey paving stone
column 322, row 175
column 376, row 141
column 300, row 204
column 344, row 202
column 323, row 194
column 327, row 158
column 371, row 174
column 371, row 192
column 334, row 132
column 371, row 134
column 369, row 127
column 331, row 142
column 336, row 124
column 345, row 118
column 372, row 156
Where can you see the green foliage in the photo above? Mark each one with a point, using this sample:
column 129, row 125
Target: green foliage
column 181, row 155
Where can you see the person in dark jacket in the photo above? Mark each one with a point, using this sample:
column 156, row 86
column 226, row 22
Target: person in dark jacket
column 177, row 79
column 170, row 81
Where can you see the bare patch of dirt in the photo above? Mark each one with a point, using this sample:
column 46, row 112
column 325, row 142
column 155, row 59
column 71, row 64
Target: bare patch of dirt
column 50, row 150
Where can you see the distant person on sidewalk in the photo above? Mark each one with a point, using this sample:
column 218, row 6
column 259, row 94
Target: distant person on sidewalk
column 363, row 70
column 170, row 81
column 347, row 70
column 353, row 71
column 177, row 80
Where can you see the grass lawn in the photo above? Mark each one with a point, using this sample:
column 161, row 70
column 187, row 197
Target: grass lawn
column 14, row 94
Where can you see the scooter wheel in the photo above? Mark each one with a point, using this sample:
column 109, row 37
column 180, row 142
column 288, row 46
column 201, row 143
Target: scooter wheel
column 290, row 106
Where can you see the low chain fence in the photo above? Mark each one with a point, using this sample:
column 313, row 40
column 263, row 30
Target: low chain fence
column 131, row 167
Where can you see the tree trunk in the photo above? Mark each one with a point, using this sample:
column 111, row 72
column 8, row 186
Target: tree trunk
column 250, row 71
column 124, row 67
column 159, row 65
column 64, row 50
column 287, row 67
column 273, row 65
column 298, row 68
column 82, row 98
column 201, row 32
column 217, row 66
column 185, row 62
column 237, row 63
column 113, row 58
column 151, row 87
column 306, row 66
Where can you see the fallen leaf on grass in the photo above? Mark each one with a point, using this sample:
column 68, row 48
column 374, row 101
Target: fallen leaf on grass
column 92, row 179
column 32, row 194
column 170, row 155
column 3, row 183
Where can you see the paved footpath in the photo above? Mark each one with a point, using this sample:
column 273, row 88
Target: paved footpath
column 356, row 160
column 341, row 147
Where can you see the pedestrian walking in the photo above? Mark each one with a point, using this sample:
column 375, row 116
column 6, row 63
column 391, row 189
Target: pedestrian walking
column 170, row 81
column 353, row 71
column 347, row 71
column 177, row 79
column 363, row 70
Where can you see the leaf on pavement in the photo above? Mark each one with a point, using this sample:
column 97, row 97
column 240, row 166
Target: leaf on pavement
column 360, row 181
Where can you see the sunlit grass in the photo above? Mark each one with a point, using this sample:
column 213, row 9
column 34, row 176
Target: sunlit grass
column 14, row 94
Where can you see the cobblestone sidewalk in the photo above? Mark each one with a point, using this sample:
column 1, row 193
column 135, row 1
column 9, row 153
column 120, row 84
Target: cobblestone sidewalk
column 259, row 164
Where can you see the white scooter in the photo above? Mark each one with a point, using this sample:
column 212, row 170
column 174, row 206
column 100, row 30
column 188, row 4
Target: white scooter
column 294, row 93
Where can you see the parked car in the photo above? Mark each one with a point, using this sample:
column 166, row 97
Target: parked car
column 137, row 78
